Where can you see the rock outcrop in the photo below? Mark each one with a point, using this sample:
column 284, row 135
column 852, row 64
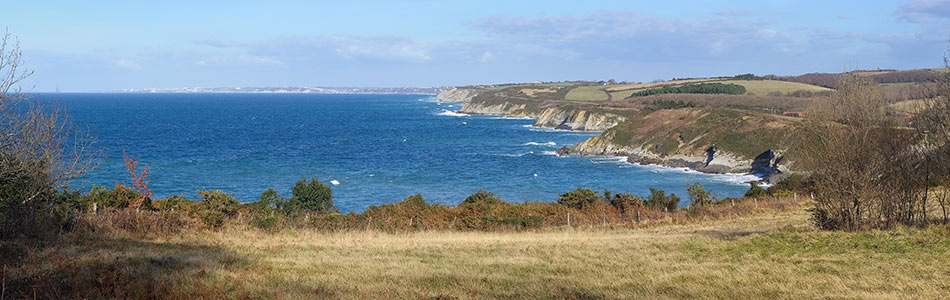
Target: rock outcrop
column 598, row 145
column 457, row 94
column 765, row 165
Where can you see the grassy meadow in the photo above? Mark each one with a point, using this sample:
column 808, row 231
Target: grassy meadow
column 769, row 253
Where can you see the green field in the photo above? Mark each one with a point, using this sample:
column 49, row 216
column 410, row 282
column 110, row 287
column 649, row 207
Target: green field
column 587, row 93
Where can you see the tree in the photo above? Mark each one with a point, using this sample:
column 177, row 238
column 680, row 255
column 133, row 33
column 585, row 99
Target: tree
column 933, row 123
column 698, row 196
column 863, row 174
column 41, row 151
column 313, row 196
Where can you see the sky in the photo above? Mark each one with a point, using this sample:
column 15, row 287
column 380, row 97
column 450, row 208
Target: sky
column 88, row 46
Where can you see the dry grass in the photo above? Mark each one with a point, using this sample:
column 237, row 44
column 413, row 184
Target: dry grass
column 769, row 254
column 764, row 87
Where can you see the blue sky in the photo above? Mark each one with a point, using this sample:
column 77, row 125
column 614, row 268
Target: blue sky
column 110, row 45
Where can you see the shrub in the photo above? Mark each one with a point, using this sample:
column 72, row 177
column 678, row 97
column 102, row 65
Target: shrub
column 269, row 202
column 215, row 207
column 672, row 104
column 794, row 182
column 579, row 198
column 118, row 197
column 755, row 191
column 698, row 196
column 481, row 202
column 173, row 202
column 313, row 196
column 659, row 200
column 331, row 221
column 266, row 222
column 625, row 203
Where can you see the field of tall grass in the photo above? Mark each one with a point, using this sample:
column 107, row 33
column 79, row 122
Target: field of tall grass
column 768, row 251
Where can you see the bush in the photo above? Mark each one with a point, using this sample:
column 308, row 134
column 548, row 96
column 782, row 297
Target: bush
column 626, row 203
column 755, row 191
column 173, row 202
column 698, row 196
column 266, row 222
column 118, row 197
column 792, row 183
column 215, row 207
column 269, row 202
column 481, row 202
column 313, row 196
column 672, row 104
column 579, row 198
column 659, row 200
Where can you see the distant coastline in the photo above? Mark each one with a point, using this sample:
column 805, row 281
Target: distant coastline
column 299, row 90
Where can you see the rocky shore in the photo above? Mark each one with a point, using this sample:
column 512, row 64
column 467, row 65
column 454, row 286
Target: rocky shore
column 707, row 159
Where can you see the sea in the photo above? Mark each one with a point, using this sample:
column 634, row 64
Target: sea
column 371, row 149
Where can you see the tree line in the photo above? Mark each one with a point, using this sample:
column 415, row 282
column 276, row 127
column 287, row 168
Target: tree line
column 701, row 88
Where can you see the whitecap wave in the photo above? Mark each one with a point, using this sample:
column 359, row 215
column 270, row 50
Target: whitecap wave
column 549, row 153
column 733, row 178
column 511, row 118
column 539, row 144
column 547, row 129
column 449, row 113
column 609, row 160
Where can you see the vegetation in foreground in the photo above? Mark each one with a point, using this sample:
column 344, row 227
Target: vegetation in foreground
column 771, row 253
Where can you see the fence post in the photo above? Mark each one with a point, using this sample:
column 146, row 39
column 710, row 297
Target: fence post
column 796, row 197
column 756, row 202
column 638, row 216
column 95, row 208
column 568, row 219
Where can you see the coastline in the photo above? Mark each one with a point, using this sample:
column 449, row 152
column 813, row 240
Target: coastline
column 659, row 165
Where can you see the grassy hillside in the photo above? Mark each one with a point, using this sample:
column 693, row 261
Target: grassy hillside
column 754, row 87
column 764, row 87
column 768, row 254
column 692, row 130
column 587, row 93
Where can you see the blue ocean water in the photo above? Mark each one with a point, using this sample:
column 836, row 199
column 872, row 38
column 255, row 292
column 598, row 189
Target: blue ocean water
column 379, row 148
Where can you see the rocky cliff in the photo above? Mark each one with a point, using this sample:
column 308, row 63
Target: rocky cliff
column 577, row 119
column 457, row 94
column 547, row 114
column 741, row 143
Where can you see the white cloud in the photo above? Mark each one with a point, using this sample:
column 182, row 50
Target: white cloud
column 128, row 65
column 487, row 57
column 924, row 11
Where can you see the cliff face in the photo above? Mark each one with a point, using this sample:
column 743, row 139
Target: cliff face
column 507, row 109
column 457, row 95
column 598, row 145
column 576, row 119
column 566, row 118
